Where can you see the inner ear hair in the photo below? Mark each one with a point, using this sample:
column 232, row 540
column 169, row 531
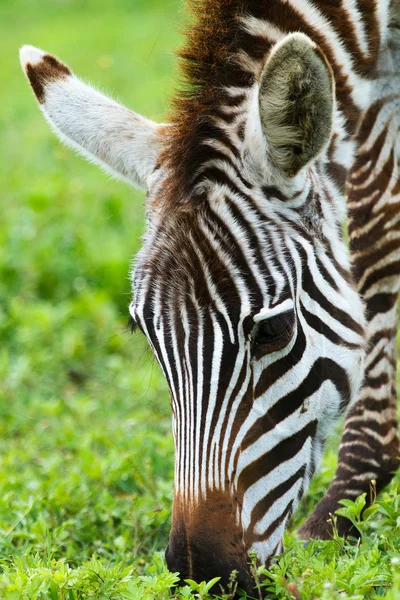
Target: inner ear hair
column 296, row 101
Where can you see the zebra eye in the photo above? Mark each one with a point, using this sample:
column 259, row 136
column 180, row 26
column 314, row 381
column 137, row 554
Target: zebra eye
column 273, row 334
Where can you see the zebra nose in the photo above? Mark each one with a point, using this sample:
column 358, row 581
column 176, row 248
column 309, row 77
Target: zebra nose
column 207, row 565
column 207, row 542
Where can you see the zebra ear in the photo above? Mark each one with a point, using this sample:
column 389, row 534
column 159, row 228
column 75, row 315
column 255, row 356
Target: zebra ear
column 296, row 103
column 123, row 142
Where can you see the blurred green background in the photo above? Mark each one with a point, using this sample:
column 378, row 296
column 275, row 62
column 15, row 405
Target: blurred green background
column 86, row 454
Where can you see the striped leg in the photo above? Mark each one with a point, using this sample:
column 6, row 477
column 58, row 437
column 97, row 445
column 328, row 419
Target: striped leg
column 369, row 449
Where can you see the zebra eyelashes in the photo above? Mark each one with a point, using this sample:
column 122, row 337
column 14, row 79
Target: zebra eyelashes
column 273, row 329
column 133, row 323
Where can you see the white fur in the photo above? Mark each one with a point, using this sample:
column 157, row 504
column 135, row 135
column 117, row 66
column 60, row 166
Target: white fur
column 124, row 143
column 30, row 55
column 262, row 28
column 267, row 313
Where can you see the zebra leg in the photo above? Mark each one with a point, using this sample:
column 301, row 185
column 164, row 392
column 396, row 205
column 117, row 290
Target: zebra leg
column 369, row 450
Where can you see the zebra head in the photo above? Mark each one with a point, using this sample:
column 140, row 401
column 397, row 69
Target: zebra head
column 242, row 288
column 244, row 293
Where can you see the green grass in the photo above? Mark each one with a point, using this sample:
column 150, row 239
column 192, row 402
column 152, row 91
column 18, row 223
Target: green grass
column 86, row 453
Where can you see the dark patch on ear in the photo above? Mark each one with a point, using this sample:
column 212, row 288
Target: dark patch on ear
column 48, row 69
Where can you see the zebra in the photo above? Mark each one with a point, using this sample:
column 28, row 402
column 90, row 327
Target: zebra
column 265, row 329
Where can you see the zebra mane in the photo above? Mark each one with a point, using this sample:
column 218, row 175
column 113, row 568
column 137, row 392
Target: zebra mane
column 226, row 46
column 208, row 63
